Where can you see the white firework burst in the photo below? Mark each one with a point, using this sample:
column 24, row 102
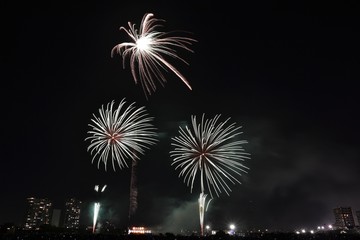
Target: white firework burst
column 148, row 52
column 120, row 133
column 211, row 150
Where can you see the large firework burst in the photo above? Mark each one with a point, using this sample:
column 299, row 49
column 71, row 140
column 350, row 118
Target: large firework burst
column 148, row 52
column 120, row 133
column 212, row 150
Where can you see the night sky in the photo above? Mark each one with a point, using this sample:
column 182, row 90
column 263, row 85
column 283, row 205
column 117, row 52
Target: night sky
column 286, row 72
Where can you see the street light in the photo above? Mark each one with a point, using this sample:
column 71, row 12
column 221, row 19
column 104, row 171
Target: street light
column 207, row 227
column 232, row 229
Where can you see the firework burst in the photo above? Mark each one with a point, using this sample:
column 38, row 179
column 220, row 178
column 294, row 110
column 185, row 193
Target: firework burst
column 148, row 52
column 120, row 133
column 211, row 150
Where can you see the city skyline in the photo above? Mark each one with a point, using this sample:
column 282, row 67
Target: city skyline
column 68, row 216
column 286, row 72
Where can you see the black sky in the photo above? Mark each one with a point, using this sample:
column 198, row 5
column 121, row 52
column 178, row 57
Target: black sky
column 287, row 72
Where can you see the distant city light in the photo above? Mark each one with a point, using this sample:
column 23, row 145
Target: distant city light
column 139, row 230
column 319, row 228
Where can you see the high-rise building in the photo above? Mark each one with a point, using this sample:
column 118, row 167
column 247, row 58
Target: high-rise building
column 72, row 213
column 38, row 212
column 344, row 218
column 358, row 216
column 55, row 219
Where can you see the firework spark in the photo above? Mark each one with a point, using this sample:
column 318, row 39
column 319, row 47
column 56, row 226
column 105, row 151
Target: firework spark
column 96, row 214
column 120, row 134
column 97, row 207
column 148, row 50
column 211, row 150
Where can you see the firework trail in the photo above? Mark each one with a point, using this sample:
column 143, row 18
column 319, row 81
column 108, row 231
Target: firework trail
column 148, row 51
column 120, row 133
column 210, row 149
column 97, row 207
column 133, row 189
column 96, row 214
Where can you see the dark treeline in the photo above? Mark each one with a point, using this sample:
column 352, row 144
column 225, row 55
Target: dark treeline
column 40, row 235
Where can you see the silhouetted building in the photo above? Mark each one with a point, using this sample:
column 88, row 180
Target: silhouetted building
column 344, row 218
column 55, row 219
column 72, row 213
column 38, row 212
column 358, row 216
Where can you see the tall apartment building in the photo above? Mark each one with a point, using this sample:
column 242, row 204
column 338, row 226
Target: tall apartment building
column 55, row 219
column 358, row 216
column 38, row 213
column 72, row 213
column 344, row 218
